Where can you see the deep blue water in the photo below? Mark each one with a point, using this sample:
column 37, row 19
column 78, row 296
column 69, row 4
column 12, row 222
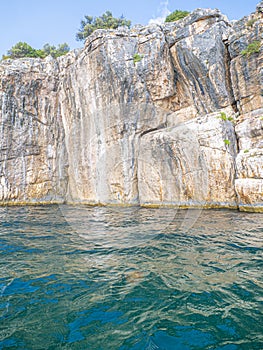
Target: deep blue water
column 105, row 278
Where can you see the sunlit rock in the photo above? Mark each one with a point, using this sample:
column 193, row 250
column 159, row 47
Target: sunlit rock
column 159, row 115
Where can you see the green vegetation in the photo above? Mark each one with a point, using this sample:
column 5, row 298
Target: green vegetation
column 227, row 142
column 251, row 22
column 54, row 51
column 176, row 15
column 246, row 150
column 137, row 58
column 224, row 117
column 22, row 49
column 253, row 47
column 106, row 21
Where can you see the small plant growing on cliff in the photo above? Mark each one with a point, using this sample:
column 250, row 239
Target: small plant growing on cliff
column 253, row 47
column 224, row 117
column 137, row 58
column 176, row 15
column 246, row 150
column 251, row 22
column 106, row 21
column 226, row 142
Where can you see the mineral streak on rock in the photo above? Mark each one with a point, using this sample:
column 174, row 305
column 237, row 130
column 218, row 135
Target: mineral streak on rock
column 182, row 125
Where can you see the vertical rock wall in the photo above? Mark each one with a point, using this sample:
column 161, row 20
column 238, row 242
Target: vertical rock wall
column 33, row 157
column 182, row 125
column 247, row 81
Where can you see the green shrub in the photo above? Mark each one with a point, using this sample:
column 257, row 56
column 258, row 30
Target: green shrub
column 224, row 117
column 253, row 47
column 227, row 142
column 137, row 58
column 251, row 22
column 89, row 24
column 54, row 51
column 22, row 49
column 246, row 150
column 5, row 57
column 176, row 15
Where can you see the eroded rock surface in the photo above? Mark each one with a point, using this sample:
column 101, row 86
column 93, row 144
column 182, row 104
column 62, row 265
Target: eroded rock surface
column 189, row 163
column 33, row 157
column 247, row 81
column 181, row 125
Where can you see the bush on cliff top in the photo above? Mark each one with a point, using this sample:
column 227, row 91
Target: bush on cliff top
column 106, row 21
column 176, row 15
column 21, row 50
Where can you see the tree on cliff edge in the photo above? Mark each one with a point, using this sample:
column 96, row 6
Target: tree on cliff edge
column 22, row 49
column 106, row 21
column 176, row 15
column 54, row 51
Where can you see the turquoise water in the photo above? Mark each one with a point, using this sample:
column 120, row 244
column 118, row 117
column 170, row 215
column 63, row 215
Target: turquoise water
column 99, row 278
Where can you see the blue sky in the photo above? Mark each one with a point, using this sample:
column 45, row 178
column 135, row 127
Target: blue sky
column 57, row 21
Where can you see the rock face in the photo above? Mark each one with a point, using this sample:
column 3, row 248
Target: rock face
column 181, row 125
column 33, row 156
column 190, row 164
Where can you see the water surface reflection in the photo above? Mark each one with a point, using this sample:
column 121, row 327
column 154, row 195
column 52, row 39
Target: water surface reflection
column 101, row 278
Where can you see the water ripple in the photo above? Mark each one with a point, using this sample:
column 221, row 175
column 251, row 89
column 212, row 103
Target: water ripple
column 97, row 278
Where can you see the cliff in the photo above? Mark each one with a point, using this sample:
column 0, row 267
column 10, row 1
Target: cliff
column 180, row 125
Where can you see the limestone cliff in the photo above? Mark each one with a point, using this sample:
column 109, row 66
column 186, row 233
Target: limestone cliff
column 180, row 125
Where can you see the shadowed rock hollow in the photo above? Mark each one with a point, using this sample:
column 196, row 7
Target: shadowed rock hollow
column 181, row 126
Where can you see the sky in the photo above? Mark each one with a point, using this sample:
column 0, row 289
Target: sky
column 57, row 21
